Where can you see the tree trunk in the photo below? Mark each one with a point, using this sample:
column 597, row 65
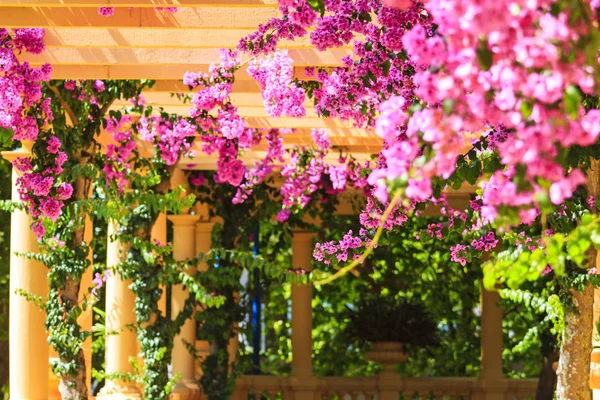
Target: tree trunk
column 74, row 387
column 576, row 348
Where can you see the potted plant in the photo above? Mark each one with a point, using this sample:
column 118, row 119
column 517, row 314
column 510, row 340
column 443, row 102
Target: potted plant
column 392, row 326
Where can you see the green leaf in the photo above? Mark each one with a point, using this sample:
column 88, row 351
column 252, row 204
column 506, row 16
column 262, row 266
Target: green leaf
column 317, row 5
column 386, row 67
column 572, row 100
column 448, row 105
column 484, row 55
column 526, row 109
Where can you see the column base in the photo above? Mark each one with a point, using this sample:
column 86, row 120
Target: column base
column 186, row 389
column 114, row 390
column 304, row 387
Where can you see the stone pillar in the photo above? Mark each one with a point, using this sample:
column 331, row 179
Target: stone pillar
column 121, row 341
column 492, row 379
column 184, row 227
column 28, row 340
column 303, row 382
column 86, row 318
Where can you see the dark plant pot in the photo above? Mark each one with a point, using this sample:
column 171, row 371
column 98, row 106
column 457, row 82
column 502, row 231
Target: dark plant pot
column 387, row 354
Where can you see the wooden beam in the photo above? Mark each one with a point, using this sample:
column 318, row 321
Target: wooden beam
column 136, row 3
column 326, row 123
column 203, row 162
column 133, row 38
column 209, row 17
column 177, row 86
column 141, row 71
column 167, row 56
column 244, row 110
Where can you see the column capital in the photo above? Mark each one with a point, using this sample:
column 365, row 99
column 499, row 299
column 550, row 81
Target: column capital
column 14, row 154
column 183, row 219
column 204, row 227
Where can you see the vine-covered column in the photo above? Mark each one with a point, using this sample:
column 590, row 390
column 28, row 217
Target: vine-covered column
column 159, row 235
column 85, row 321
column 184, row 363
column 27, row 334
column 120, row 316
column 303, row 382
column 491, row 346
column 203, row 245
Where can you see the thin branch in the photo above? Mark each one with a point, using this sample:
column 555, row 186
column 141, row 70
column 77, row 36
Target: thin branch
column 105, row 108
column 65, row 105
column 369, row 249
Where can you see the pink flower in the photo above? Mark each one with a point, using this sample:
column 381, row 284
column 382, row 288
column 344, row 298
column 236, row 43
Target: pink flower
column 51, row 208
column 197, row 179
column 399, row 4
column 38, row 229
column 64, row 191
column 106, row 11
column 99, row 85
column 53, row 145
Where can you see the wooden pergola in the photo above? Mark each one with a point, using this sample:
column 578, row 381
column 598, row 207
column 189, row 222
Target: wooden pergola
column 142, row 43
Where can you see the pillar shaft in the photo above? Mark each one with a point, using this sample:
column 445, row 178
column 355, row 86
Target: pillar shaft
column 121, row 341
column 184, row 247
column 27, row 334
column 302, row 307
column 86, row 318
column 491, row 346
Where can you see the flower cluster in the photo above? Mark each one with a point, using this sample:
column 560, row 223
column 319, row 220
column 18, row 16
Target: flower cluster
column 118, row 166
column 21, row 85
column 499, row 64
column 281, row 96
column 172, row 139
column 41, row 189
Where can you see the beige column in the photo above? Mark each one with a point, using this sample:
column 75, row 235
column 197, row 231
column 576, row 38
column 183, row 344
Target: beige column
column 303, row 382
column 121, row 341
column 28, row 345
column 86, row 318
column 492, row 378
column 184, row 229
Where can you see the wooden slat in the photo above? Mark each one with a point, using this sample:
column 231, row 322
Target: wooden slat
column 158, row 72
column 135, row 3
column 240, row 87
column 167, row 56
column 244, row 111
column 155, row 38
column 209, row 17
